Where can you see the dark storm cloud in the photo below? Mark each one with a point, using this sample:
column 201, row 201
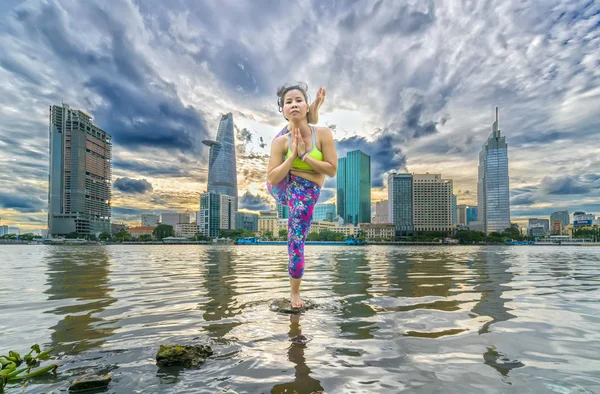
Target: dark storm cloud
column 522, row 199
column 254, row 203
column 18, row 201
column 384, row 151
column 412, row 121
column 239, row 68
column 138, row 107
column 132, row 186
column 156, row 168
column 563, row 185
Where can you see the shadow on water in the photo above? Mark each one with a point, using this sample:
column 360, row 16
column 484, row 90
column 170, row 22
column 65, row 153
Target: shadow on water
column 219, row 277
column 351, row 283
column 80, row 277
column 303, row 382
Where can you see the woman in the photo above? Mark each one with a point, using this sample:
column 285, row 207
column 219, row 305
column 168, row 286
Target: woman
column 300, row 159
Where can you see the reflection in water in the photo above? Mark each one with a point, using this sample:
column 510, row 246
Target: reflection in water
column 351, row 282
column 79, row 275
column 220, row 277
column 303, row 382
column 493, row 279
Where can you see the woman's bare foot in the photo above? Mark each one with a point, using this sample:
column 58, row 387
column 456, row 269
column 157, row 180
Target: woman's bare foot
column 296, row 301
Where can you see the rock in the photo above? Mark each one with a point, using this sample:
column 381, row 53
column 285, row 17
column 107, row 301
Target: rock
column 185, row 356
column 89, row 383
column 283, row 305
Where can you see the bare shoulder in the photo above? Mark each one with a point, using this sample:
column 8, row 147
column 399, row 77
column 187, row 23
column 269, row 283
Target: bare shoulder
column 280, row 143
column 324, row 133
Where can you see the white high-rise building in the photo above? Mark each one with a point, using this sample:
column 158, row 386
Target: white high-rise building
column 432, row 203
column 381, row 212
column 493, row 206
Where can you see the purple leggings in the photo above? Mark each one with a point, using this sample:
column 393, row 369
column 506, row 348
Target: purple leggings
column 300, row 195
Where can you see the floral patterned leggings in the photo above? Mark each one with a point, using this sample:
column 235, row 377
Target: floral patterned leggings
column 300, row 195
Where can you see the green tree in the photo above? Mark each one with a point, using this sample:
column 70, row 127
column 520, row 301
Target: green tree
column 469, row 236
column 589, row 233
column 201, row 237
column 283, row 234
column 268, row 235
column 73, row 235
column 145, row 238
column 105, row 236
column 26, row 236
column 163, row 231
column 92, row 237
column 122, row 235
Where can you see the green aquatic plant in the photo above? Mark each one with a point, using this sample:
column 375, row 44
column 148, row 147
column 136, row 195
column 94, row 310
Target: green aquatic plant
column 9, row 365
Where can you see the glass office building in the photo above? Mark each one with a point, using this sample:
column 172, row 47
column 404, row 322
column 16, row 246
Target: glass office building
column 324, row 212
column 400, row 200
column 493, row 185
column 354, row 187
column 562, row 216
column 222, row 172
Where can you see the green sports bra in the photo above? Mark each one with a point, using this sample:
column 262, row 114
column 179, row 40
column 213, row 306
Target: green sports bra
column 314, row 153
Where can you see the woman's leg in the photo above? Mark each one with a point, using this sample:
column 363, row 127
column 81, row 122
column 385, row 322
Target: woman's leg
column 302, row 197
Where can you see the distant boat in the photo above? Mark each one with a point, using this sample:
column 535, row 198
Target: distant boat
column 355, row 241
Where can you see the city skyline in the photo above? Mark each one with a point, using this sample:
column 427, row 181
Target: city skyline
column 160, row 89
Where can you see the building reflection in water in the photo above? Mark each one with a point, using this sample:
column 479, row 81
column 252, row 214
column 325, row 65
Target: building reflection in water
column 79, row 275
column 494, row 278
column 220, row 275
column 303, row 382
column 351, row 282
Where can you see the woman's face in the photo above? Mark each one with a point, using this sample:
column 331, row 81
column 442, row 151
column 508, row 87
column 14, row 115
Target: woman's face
column 294, row 105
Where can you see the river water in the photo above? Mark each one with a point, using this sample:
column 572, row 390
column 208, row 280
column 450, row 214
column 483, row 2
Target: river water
column 464, row 319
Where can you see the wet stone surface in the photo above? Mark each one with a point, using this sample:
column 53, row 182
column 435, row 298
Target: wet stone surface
column 91, row 382
column 283, row 305
column 182, row 355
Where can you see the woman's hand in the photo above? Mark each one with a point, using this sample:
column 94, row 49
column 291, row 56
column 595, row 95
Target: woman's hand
column 301, row 146
column 294, row 143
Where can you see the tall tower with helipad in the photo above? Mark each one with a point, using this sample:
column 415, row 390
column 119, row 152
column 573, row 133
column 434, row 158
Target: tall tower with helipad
column 222, row 172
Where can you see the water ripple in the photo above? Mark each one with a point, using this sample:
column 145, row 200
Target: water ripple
column 388, row 319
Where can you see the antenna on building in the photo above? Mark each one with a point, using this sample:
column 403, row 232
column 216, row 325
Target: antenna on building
column 496, row 126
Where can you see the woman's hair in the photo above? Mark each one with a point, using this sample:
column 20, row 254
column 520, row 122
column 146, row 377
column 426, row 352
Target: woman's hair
column 281, row 92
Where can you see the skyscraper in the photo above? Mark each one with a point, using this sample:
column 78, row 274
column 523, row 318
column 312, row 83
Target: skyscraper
column 216, row 213
column 454, row 202
column 432, row 203
column 354, row 187
column 324, row 213
column 562, row 216
column 492, row 185
column 222, row 173
column 282, row 211
column 79, row 189
column 400, row 200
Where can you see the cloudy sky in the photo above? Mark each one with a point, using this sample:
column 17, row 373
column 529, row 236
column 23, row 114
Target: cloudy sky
column 412, row 83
